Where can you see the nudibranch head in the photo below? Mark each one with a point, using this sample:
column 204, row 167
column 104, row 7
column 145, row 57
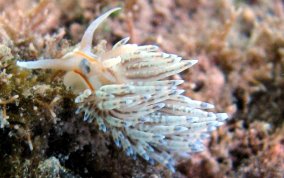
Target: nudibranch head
column 124, row 90
column 81, row 64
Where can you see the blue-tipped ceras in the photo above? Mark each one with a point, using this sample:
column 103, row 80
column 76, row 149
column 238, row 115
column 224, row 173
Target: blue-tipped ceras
column 124, row 90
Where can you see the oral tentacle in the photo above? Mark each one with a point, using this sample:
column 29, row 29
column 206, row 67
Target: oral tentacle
column 59, row 64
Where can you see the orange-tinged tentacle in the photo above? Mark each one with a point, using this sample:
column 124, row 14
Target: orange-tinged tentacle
column 85, row 79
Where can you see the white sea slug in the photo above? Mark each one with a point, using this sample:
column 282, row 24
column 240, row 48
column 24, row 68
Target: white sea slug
column 124, row 90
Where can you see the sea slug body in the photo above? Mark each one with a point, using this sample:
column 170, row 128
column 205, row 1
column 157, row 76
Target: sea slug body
column 125, row 92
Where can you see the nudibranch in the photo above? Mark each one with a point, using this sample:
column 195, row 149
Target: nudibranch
column 126, row 92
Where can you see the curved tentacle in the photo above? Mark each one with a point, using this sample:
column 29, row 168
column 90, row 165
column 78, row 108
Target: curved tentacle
column 86, row 42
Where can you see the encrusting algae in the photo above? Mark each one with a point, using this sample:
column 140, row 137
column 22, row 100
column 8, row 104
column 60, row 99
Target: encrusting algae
column 125, row 91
